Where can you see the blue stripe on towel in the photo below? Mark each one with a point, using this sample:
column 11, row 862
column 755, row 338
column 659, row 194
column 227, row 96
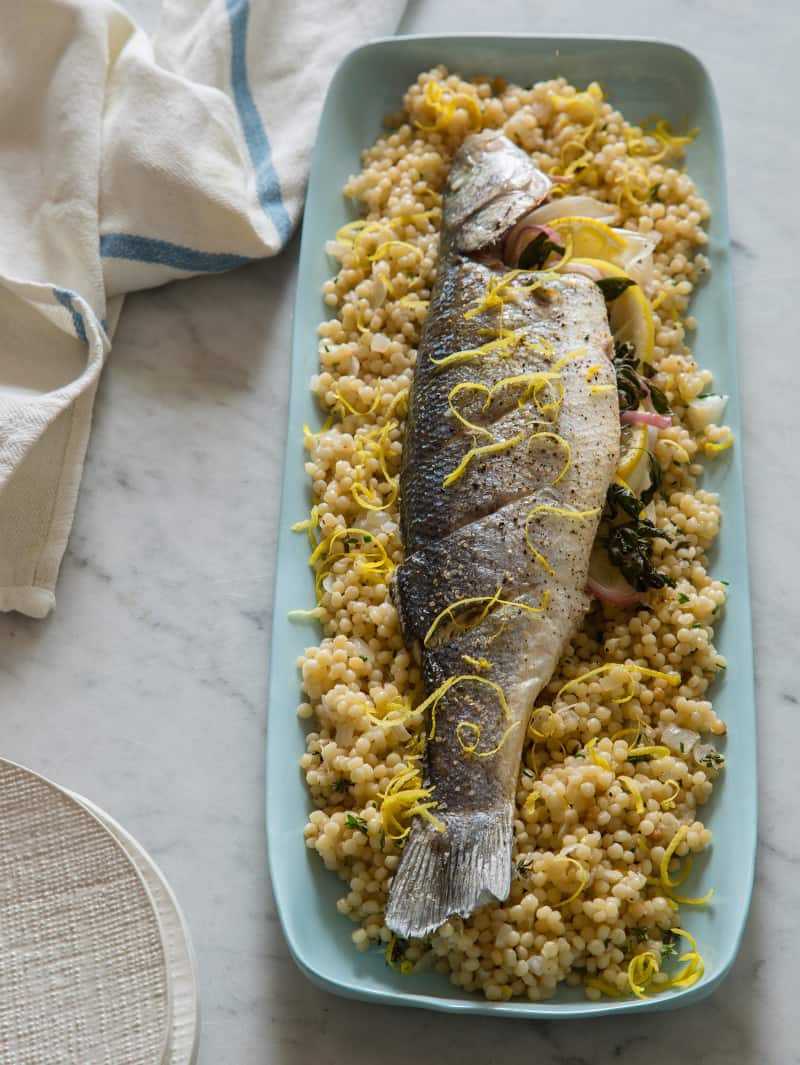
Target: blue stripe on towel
column 65, row 298
column 164, row 253
column 267, row 183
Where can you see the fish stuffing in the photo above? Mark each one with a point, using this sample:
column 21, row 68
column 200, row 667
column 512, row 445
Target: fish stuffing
column 512, row 441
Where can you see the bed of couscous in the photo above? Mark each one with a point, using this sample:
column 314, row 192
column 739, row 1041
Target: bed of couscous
column 620, row 754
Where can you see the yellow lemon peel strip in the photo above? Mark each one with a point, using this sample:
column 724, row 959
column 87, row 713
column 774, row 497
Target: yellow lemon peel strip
column 641, row 970
column 433, row 700
column 561, row 443
column 506, row 339
column 405, row 967
column 581, row 887
column 475, row 729
column 595, row 756
column 562, row 512
column 488, row 602
column 477, row 663
column 669, row 802
column 477, row 452
column 633, row 789
column 405, row 798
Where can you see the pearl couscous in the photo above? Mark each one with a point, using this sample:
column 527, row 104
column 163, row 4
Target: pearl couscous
column 618, row 762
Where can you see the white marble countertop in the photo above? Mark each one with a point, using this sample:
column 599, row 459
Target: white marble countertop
column 146, row 689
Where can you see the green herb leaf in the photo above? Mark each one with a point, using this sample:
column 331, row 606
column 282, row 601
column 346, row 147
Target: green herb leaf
column 524, row 866
column 697, row 625
column 641, row 934
column 669, row 945
column 536, row 254
column 357, row 824
column 633, row 757
column 342, row 784
column 613, row 287
column 683, row 598
column 656, row 477
column 713, row 760
column 659, row 401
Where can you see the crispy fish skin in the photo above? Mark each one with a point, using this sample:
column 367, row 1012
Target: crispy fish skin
column 501, row 531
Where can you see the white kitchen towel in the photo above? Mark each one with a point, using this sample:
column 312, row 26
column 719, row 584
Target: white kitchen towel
column 127, row 162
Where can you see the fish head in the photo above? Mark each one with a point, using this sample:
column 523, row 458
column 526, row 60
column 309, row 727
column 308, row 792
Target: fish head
column 491, row 185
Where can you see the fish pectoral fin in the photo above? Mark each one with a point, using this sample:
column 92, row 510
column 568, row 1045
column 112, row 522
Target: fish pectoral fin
column 452, row 872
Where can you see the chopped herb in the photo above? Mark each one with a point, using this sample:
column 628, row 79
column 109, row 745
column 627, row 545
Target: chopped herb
column 524, row 866
column 705, row 395
column 357, row 824
column 536, row 254
column 681, row 544
column 342, row 784
column 641, row 934
column 669, row 945
column 527, row 772
column 681, row 745
column 579, row 754
column 633, row 757
column 363, row 658
column 716, row 608
column 697, row 625
column 713, row 760
column 613, row 287
column 382, row 839
column 682, row 598
column 653, row 191
column 726, row 583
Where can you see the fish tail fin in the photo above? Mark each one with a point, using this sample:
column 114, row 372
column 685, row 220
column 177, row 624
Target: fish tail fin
column 451, row 872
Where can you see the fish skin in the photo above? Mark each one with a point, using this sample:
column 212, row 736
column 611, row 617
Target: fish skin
column 468, row 539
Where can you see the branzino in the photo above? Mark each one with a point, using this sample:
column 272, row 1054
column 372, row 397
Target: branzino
column 512, row 532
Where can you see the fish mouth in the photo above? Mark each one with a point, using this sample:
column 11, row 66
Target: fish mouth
column 491, row 186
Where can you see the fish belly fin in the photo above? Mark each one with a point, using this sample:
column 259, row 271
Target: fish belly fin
column 452, row 872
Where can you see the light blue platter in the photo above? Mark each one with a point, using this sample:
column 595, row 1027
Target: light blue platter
column 641, row 78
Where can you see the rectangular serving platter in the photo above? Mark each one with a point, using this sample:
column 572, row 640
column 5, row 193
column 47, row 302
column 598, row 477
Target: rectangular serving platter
column 641, row 78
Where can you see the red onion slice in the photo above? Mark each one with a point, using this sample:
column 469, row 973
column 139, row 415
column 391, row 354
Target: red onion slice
column 612, row 595
column 521, row 236
column 646, row 417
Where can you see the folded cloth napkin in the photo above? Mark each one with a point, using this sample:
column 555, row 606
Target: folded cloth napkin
column 125, row 163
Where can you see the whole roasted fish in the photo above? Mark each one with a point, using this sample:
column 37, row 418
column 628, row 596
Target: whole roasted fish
column 511, row 444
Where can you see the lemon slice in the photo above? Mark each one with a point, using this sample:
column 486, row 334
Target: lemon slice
column 633, row 450
column 590, row 239
column 629, row 315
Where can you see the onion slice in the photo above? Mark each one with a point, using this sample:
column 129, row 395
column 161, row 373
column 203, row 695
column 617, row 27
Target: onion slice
column 521, row 236
column 583, row 268
column 574, row 207
column 615, row 596
column 646, row 417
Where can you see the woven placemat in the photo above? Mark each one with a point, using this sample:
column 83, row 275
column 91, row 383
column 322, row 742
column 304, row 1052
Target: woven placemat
column 181, row 970
column 82, row 968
